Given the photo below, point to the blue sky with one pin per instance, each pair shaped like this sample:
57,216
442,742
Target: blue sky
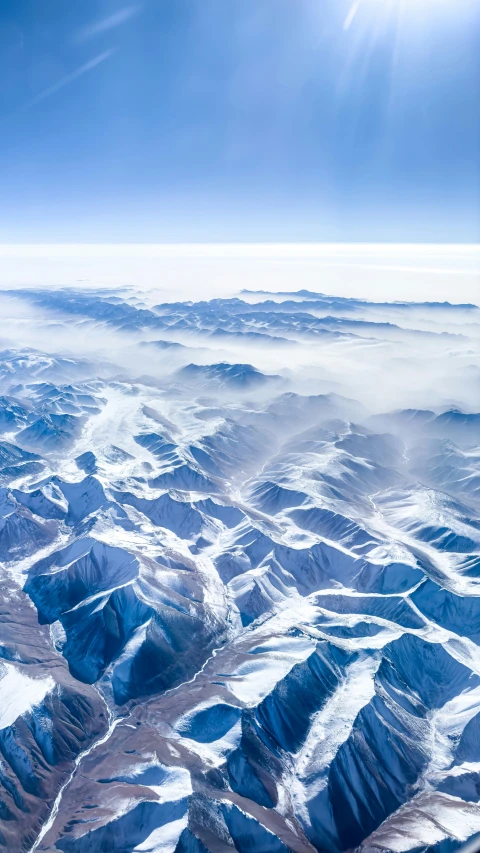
240,120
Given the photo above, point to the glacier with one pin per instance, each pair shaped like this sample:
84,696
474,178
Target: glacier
240,572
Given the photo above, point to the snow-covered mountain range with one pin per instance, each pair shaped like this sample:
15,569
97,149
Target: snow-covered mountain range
240,573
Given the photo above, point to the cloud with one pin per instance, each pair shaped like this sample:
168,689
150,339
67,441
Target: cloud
104,25
70,78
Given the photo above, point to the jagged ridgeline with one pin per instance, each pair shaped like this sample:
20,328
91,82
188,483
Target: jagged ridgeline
240,574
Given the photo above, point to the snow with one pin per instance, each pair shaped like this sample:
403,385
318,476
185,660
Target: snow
20,694
427,820
253,680
164,839
330,727
270,574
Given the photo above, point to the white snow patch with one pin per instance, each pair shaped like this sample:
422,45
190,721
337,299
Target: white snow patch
19,693
164,839
255,678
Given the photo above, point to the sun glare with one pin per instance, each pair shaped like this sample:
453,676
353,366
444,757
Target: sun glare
396,6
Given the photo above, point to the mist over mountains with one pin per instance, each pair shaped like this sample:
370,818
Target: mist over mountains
240,565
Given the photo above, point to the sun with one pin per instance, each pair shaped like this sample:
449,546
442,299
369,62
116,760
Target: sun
412,7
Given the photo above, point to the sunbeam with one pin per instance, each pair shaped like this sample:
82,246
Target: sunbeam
414,8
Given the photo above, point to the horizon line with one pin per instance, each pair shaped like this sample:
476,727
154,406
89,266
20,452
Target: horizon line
253,245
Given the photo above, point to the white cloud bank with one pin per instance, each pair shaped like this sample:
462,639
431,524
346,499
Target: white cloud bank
201,271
